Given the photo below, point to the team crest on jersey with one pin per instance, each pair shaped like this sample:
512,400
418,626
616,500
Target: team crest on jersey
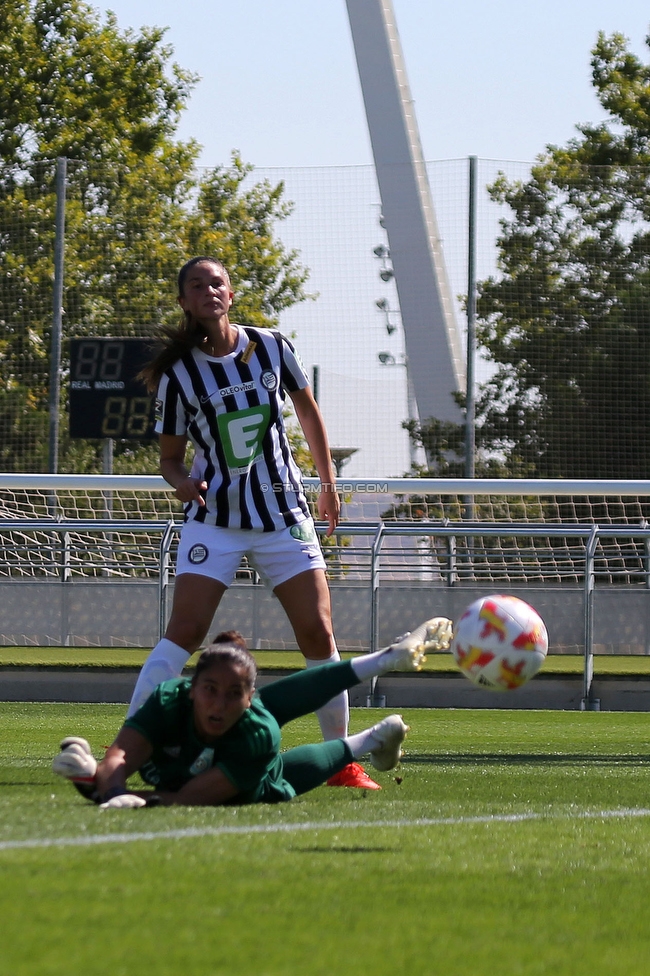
269,380
197,554
202,762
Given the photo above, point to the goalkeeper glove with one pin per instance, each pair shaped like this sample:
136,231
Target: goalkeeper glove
123,801
77,763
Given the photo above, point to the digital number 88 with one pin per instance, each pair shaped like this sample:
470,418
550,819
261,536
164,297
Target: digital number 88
126,417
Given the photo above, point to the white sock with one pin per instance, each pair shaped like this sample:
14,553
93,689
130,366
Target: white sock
362,742
333,717
166,661
370,665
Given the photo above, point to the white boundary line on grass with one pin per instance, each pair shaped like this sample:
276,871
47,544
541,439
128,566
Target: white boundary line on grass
195,832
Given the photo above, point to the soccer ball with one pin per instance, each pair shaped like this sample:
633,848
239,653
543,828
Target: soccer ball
500,642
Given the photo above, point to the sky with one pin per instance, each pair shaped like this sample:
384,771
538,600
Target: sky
279,80
279,84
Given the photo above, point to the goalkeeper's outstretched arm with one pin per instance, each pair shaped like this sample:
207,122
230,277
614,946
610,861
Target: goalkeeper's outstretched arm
125,756
130,752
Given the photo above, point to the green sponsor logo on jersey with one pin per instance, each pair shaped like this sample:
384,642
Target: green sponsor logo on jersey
241,435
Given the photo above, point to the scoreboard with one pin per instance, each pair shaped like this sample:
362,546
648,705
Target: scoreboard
106,399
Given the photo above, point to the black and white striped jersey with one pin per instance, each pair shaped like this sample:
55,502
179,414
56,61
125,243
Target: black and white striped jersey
231,409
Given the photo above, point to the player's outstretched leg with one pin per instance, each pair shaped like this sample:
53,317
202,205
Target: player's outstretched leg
306,691
382,742
307,767
407,653
76,763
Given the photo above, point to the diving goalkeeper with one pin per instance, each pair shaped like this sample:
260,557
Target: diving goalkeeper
212,739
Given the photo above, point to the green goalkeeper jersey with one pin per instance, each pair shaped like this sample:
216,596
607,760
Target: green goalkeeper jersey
248,754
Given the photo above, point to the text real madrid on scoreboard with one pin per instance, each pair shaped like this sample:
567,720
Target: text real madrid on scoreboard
106,398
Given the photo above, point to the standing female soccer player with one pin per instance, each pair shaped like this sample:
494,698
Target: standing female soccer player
222,387
212,739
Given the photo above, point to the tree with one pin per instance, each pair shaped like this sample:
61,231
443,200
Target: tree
236,222
567,320
443,443
109,101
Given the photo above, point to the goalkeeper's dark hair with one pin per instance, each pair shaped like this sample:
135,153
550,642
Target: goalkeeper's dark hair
172,342
228,647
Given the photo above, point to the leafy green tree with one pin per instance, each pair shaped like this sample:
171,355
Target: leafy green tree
236,221
443,443
567,320
109,101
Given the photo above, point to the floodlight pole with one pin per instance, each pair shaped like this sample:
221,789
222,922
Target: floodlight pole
432,339
57,315
470,402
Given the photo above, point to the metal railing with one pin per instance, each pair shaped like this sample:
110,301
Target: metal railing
54,538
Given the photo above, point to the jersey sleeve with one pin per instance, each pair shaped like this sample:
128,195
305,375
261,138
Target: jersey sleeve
149,719
171,415
158,717
293,373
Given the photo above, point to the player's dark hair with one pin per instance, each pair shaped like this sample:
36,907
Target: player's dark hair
230,637
174,341
228,647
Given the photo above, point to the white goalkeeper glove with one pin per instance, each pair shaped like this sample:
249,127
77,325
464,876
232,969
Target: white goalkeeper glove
123,801
75,761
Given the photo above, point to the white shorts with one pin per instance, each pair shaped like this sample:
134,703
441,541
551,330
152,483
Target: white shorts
209,550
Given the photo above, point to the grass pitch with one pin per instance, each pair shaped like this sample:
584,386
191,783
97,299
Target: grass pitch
509,842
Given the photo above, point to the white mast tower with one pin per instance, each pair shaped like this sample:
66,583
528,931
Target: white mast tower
434,359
